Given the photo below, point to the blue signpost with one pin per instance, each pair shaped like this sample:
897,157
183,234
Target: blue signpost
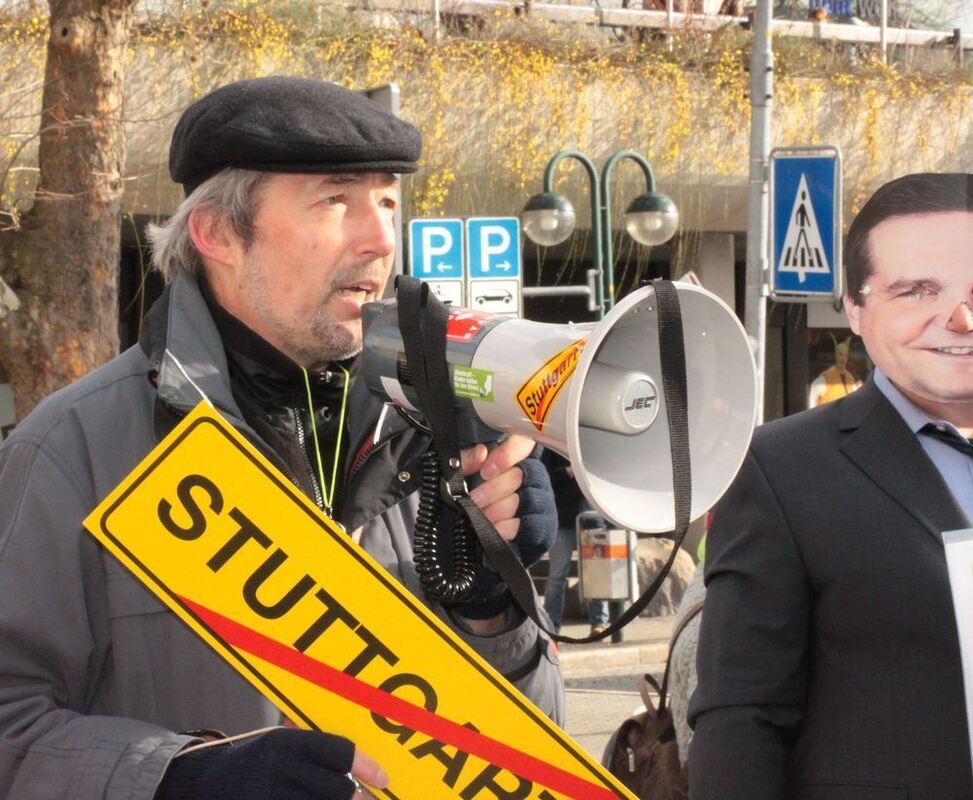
436,256
805,227
494,264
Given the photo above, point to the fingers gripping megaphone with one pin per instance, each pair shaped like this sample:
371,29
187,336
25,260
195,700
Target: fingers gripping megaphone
593,392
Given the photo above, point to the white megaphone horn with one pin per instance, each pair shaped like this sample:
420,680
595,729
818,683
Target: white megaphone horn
593,392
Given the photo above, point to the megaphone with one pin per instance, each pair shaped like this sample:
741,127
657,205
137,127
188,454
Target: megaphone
593,392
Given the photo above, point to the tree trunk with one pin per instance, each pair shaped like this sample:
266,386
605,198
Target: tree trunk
62,260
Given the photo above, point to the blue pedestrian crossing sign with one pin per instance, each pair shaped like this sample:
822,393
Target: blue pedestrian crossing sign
436,249
805,227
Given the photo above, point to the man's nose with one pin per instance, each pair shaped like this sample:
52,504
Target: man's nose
376,237
961,320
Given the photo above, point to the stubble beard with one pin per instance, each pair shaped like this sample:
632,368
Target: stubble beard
311,342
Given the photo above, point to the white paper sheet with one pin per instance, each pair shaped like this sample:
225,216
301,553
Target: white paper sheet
959,561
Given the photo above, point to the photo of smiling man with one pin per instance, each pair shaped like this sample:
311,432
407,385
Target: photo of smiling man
829,661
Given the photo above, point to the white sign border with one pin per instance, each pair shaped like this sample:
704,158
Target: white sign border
839,212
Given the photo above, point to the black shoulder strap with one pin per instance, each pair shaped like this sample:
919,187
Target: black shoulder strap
424,339
422,322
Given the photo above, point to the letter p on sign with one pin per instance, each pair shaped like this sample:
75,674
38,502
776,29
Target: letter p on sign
494,241
436,249
436,243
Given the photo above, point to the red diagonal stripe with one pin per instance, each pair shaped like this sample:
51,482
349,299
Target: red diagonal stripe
389,706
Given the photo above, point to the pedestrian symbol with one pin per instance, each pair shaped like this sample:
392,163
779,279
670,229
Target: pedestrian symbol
805,224
803,248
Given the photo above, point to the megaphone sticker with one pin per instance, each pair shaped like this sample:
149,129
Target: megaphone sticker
473,384
465,324
537,394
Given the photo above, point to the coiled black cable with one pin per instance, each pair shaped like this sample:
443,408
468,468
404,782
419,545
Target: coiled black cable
452,584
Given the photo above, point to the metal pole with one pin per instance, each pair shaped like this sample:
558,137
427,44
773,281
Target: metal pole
587,291
884,31
669,10
596,230
758,211
557,291
436,35
638,158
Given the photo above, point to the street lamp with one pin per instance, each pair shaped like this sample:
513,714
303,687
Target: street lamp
651,218
549,218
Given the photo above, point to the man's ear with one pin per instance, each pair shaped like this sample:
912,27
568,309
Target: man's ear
212,236
853,312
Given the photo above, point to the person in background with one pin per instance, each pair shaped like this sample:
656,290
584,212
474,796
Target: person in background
836,381
570,503
829,660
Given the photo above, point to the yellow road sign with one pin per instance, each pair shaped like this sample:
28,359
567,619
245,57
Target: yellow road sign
323,631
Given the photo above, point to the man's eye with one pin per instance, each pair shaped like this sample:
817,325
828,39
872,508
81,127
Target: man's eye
918,292
333,200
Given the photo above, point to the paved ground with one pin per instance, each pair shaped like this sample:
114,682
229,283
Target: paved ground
601,680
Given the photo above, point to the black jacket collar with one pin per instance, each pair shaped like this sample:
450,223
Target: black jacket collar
264,372
881,444
180,320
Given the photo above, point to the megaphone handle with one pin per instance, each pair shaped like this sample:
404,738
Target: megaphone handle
422,324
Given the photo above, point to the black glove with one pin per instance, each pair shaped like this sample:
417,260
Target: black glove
285,764
538,528
537,511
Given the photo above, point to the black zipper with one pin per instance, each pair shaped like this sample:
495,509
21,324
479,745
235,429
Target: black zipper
318,497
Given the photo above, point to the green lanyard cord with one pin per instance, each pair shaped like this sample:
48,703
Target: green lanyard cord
328,498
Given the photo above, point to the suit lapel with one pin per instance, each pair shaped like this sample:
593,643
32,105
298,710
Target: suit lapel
883,447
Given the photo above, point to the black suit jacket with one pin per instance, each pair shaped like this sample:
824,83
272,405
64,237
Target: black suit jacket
829,663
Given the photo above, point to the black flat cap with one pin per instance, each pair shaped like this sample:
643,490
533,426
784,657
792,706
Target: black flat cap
286,124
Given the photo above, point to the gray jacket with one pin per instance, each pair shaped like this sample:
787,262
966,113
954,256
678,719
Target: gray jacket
96,676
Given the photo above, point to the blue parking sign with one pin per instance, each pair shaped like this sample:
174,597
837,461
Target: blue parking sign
493,247
805,226
436,249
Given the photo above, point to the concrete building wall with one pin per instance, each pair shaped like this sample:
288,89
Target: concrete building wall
493,112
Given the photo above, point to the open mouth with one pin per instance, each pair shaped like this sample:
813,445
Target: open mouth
955,351
359,292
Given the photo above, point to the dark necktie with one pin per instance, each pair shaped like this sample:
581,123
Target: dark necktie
954,440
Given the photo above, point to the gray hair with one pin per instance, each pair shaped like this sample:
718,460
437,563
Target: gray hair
233,193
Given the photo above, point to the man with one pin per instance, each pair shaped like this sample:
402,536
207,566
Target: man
829,662
286,231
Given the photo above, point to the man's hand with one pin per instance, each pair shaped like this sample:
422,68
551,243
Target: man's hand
516,497
285,763
497,496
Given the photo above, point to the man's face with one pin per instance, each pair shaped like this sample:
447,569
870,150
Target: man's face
915,319
323,246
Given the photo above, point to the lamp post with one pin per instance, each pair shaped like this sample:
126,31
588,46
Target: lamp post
651,218
549,218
